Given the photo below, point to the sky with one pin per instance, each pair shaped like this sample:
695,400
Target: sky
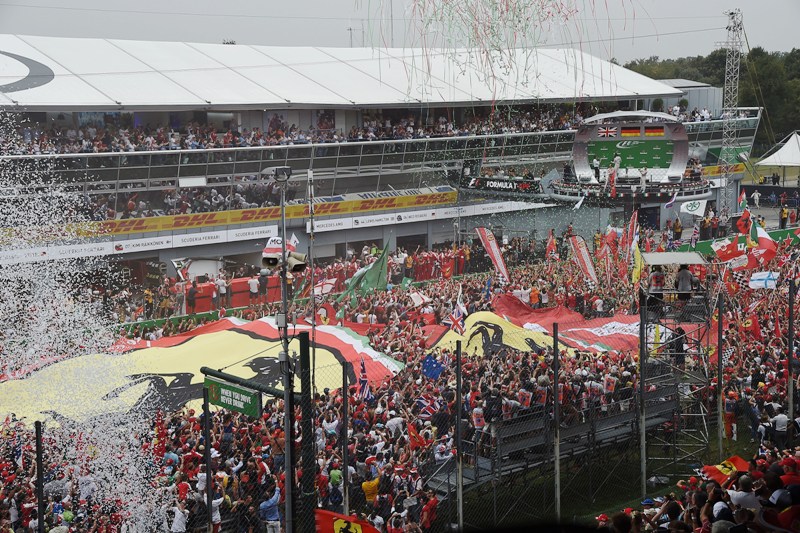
621,29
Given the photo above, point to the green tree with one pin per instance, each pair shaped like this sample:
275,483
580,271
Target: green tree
767,79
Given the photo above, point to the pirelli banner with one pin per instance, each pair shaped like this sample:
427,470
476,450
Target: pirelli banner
366,203
716,170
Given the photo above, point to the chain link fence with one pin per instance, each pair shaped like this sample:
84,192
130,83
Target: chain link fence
560,438
550,430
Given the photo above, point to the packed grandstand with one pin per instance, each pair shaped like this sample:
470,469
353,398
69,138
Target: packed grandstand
398,334
402,427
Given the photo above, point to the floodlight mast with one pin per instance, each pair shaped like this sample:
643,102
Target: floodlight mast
730,101
281,175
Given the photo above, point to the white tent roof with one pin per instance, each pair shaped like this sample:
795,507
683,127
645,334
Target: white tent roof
673,258
627,115
787,156
62,74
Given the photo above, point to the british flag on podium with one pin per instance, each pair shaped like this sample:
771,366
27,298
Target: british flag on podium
364,389
606,132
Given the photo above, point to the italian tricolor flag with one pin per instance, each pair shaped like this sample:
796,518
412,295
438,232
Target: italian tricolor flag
761,248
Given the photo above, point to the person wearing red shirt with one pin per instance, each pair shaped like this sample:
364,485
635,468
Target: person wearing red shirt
790,467
428,515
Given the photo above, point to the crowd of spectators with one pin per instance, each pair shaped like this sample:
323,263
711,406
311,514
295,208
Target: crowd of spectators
762,495
388,462
35,138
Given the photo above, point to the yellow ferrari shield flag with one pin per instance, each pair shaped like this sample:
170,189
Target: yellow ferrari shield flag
330,522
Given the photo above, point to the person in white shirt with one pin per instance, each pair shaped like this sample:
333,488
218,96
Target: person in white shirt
395,423
780,424
216,517
756,196
598,307
222,288
180,519
744,496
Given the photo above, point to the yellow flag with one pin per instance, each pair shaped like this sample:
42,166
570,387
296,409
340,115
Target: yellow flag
638,265
656,340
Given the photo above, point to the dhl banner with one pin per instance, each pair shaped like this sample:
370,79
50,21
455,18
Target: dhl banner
271,214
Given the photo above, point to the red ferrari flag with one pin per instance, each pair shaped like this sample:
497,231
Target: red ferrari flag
727,249
752,326
493,250
330,522
720,472
415,440
744,222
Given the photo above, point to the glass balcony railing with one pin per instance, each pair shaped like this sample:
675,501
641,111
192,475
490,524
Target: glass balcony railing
154,183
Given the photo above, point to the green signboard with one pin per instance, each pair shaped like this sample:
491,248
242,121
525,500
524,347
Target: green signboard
635,153
233,397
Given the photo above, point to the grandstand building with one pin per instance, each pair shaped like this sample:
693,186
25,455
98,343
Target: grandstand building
167,143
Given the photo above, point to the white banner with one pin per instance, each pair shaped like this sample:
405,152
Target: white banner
142,245
374,220
196,239
73,251
331,224
254,233
694,207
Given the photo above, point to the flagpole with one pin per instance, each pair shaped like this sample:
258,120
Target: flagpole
311,267
720,424
459,450
345,459
282,320
790,381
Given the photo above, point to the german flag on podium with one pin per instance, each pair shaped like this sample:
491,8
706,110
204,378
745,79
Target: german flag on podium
654,131
630,131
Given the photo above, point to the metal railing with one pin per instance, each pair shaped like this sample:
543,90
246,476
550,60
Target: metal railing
127,172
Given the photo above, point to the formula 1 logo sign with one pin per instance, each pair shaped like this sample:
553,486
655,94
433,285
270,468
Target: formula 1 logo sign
38,73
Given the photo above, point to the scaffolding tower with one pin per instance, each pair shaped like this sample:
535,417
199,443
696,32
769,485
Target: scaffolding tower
677,336
730,100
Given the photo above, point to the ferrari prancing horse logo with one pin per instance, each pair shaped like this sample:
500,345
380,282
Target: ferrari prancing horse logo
344,526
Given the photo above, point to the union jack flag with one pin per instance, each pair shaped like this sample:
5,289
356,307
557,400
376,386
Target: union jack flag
456,318
364,389
427,407
606,132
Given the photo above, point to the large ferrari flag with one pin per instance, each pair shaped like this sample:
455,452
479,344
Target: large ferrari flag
330,522
493,249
